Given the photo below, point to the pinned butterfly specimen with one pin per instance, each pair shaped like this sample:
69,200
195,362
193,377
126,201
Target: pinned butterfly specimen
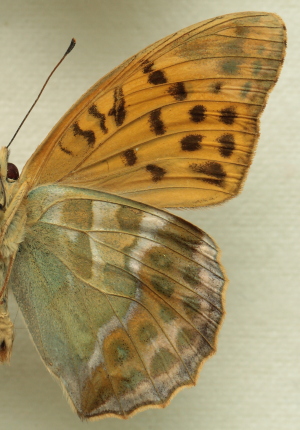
123,300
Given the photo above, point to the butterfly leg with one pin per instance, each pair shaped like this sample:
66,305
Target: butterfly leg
6,325
6,328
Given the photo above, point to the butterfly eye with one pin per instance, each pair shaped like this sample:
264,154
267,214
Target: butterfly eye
12,172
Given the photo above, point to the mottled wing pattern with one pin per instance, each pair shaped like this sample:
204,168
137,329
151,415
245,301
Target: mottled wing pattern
177,124
123,301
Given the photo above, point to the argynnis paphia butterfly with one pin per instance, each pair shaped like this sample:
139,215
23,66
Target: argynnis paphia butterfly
123,300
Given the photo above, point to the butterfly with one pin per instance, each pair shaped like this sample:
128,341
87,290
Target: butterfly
124,300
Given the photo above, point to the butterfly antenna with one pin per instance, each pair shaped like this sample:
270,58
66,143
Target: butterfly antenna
71,46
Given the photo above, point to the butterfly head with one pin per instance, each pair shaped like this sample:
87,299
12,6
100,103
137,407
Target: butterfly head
9,174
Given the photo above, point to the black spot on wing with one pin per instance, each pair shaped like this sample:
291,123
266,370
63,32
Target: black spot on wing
197,113
156,124
65,150
96,114
157,77
215,174
227,144
118,110
147,66
129,157
178,91
217,87
89,135
192,142
228,115
157,172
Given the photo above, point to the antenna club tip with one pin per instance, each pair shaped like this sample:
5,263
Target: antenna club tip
71,46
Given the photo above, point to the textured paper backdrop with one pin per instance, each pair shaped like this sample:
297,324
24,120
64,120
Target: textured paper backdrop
253,381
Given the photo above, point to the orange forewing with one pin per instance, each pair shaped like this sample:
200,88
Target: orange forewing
175,125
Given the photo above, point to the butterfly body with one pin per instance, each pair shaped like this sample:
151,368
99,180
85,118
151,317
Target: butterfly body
12,215
123,300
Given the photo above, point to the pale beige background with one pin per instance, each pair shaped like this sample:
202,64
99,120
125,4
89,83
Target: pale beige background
254,380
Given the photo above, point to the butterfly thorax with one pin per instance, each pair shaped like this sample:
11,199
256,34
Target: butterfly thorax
12,221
